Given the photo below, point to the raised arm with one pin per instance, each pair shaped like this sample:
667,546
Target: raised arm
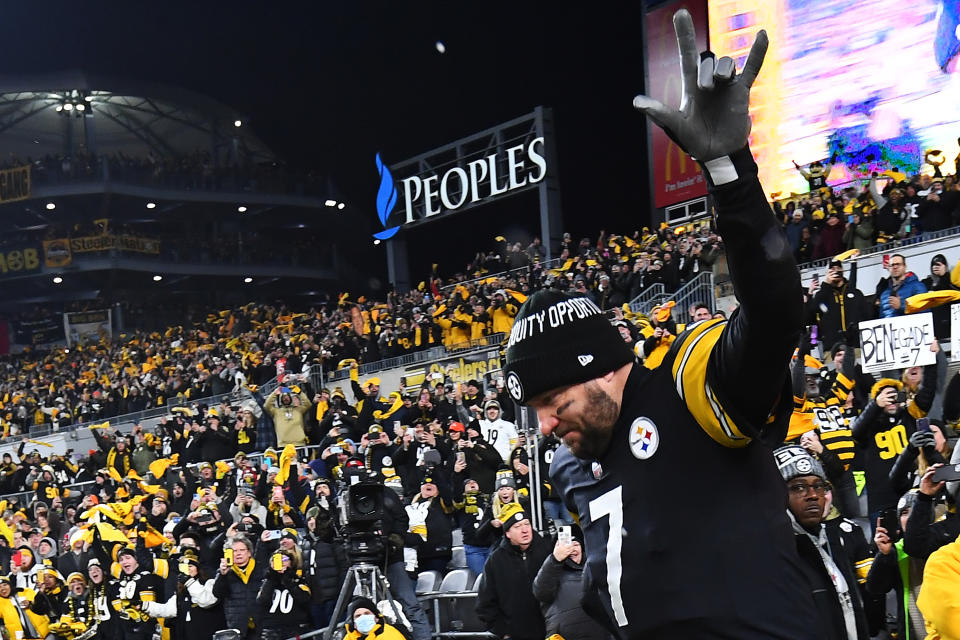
713,126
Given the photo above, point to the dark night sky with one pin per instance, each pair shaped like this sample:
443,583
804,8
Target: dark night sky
328,84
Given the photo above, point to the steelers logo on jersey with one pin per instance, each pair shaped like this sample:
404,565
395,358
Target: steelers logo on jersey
643,438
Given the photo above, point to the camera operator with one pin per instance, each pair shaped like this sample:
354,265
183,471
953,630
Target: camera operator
884,429
393,526
284,598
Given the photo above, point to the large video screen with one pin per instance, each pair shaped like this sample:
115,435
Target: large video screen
868,82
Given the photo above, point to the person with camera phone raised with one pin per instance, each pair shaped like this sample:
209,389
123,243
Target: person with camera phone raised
192,607
885,429
284,598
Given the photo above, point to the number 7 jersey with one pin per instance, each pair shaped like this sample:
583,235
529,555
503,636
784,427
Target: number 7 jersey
684,516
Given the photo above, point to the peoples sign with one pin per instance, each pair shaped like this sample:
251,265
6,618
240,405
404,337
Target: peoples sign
897,343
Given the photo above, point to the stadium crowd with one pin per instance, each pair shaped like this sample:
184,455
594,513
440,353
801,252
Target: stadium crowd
185,524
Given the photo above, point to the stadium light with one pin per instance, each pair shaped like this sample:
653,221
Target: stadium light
81,107
59,108
157,278
57,279
377,241
248,280
341,206
68,106
237,123
151,205
330,203
242,209
88,98
51,206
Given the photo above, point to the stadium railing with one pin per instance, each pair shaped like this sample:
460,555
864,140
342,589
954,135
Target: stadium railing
304,452
699,290
641,304
135,417
887,246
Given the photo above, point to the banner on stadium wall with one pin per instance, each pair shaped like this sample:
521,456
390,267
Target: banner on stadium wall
472,366
108,242
36,332
14,184
676,176
897,343
87,326
17,261
955,332
56,253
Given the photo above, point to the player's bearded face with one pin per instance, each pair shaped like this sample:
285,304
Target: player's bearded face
582,416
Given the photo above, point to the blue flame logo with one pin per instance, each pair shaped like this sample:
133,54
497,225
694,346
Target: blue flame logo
386,200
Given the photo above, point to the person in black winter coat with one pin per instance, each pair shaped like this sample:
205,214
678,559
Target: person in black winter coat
559,588
237,587
505,602
325,564
474,509
284,598
939,280
828,564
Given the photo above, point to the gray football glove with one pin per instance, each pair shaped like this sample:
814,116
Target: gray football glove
921,439
712,120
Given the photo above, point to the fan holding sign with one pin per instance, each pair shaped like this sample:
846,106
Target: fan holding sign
885,427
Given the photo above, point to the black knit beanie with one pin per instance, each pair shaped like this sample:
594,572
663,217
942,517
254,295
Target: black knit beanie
558,340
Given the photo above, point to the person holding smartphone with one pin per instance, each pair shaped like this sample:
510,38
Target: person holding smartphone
884,430
559,588
284,598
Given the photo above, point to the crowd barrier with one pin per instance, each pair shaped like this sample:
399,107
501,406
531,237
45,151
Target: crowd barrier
699,290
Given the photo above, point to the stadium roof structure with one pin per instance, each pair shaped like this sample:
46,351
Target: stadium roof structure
179,171
67,112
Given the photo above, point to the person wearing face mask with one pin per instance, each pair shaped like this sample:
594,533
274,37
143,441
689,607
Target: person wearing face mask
365,622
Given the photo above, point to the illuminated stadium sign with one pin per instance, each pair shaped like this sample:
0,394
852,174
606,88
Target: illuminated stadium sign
868,84
472,176
502,161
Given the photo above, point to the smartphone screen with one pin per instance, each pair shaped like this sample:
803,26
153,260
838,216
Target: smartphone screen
886,260
890,522
923,424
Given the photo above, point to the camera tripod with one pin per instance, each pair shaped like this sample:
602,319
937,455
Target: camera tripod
369,580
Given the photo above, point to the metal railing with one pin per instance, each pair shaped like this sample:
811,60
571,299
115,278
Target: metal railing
922,238
642,303
132,418
434,353
304,453
699,290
